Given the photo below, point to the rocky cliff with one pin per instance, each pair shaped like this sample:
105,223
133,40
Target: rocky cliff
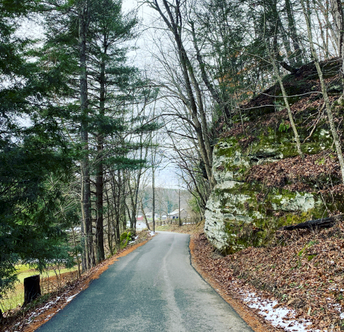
263,184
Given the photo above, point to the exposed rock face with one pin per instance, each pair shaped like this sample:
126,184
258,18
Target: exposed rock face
243,211
236,209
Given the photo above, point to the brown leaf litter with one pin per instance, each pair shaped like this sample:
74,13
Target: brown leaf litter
303,270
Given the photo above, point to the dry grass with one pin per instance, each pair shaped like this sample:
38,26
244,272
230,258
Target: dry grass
51,280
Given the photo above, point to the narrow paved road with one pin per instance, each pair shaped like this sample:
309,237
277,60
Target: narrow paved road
154,288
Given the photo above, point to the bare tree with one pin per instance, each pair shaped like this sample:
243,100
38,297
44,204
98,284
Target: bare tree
328,105
192,97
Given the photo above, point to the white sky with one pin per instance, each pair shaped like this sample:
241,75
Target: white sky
165,176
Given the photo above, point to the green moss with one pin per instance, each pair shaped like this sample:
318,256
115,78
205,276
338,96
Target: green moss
252,222
124,239
259,232
123,236
276,143
252,213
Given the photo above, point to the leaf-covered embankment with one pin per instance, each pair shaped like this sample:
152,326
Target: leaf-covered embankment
302,270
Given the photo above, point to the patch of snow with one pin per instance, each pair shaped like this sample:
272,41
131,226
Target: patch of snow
71,298
47,306
278,316
76,229
338,307
152,233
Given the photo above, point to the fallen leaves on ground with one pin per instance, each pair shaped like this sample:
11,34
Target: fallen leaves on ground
304,270
313,173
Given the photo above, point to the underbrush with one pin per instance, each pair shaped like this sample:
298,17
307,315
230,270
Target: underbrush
50,281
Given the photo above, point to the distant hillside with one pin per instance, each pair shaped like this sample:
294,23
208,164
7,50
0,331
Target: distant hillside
166,200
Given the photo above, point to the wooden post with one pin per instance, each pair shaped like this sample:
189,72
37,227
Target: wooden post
32,288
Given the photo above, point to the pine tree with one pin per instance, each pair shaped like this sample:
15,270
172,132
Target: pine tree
32,152
109,76
86,42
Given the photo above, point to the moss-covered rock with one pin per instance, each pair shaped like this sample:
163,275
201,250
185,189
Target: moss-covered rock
245,210
241,214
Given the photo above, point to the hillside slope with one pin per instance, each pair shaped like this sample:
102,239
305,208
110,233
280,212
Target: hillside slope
302,273
263,184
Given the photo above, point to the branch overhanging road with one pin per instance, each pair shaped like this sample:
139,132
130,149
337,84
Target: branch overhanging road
154,288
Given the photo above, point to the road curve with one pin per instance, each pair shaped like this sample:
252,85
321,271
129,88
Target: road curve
154,288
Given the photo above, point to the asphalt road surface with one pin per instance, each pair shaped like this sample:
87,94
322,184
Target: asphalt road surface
154,288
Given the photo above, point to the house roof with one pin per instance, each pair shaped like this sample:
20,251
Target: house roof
175,212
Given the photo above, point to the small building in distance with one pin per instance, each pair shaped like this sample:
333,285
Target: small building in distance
175,214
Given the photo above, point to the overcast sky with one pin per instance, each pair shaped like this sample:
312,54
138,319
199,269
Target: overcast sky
142,58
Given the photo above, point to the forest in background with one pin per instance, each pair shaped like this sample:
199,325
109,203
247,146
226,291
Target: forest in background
81,129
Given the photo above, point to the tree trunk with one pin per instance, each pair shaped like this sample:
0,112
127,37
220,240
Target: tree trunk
214,93
32,289
292,30
153,197
116,193
340,21
76,253
123,197
144,215
329,30
286,102
336,11
179,215
279,28
317,223
100,255
85,171
109,222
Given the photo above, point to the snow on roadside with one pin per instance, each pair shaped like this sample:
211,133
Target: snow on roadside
71,298
134,241
277,315
40,310
151,233
48,306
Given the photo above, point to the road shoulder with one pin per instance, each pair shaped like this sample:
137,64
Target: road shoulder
256,322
